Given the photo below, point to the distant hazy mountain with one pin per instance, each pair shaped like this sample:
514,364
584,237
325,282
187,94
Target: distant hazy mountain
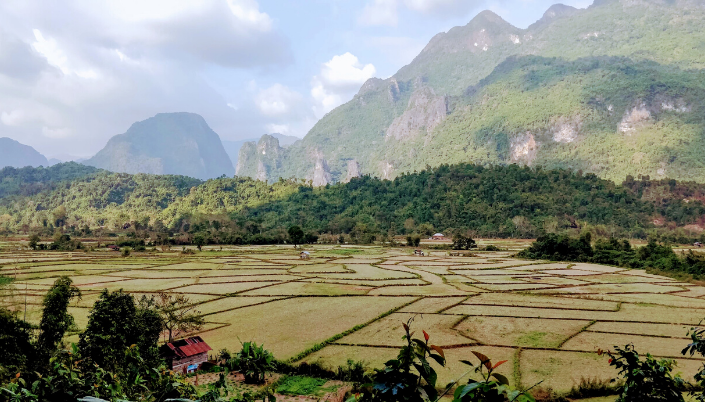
233,147
14,154
614,89
168,143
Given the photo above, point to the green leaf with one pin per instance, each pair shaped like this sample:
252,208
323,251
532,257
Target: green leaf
502,379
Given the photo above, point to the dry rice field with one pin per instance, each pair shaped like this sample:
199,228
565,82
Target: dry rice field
547,319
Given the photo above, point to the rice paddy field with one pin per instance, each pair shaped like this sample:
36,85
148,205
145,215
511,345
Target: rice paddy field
348,302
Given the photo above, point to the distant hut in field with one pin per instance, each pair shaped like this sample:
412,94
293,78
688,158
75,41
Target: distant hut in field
186,355
438,236
113,248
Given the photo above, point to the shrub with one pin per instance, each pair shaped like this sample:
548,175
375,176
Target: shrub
647,380
409,377
253,361
493,387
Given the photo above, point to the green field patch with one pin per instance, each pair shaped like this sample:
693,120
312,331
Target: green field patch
592,341
562,370
640,328
524,332
309,289
298,385
288,327
222,288
430,305
388,330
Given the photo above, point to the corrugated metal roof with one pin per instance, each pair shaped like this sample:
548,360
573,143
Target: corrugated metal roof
188,347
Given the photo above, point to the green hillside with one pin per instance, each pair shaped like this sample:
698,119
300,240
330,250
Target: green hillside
614,89
497,201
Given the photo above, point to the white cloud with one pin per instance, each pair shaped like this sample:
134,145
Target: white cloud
386,12
278,100
338,81
88,69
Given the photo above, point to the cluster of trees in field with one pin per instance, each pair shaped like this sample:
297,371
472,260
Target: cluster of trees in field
616,252
472,200
117,359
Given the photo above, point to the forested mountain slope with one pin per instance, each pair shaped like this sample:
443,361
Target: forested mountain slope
489,201
614,89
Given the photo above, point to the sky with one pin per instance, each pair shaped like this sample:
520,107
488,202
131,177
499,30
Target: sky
76,72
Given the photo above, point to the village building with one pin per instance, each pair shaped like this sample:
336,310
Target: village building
186,355
438,236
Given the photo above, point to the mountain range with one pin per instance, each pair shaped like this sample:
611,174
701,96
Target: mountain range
168,143
14,154
616,89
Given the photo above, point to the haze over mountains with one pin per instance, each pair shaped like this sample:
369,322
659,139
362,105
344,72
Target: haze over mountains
168,143
14,154
614,89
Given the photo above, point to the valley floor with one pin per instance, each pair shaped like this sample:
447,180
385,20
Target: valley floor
348,302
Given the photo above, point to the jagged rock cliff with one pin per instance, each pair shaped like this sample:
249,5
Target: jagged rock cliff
614,89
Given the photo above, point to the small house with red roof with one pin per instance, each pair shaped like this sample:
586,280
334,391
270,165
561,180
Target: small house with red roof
186,355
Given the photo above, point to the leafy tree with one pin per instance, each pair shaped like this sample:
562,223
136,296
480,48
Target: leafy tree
56,319
199,241
34,241
115,323
296,235
178,314
16,348
647,380
461,242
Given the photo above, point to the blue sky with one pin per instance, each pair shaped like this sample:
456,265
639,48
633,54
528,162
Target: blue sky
76,72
